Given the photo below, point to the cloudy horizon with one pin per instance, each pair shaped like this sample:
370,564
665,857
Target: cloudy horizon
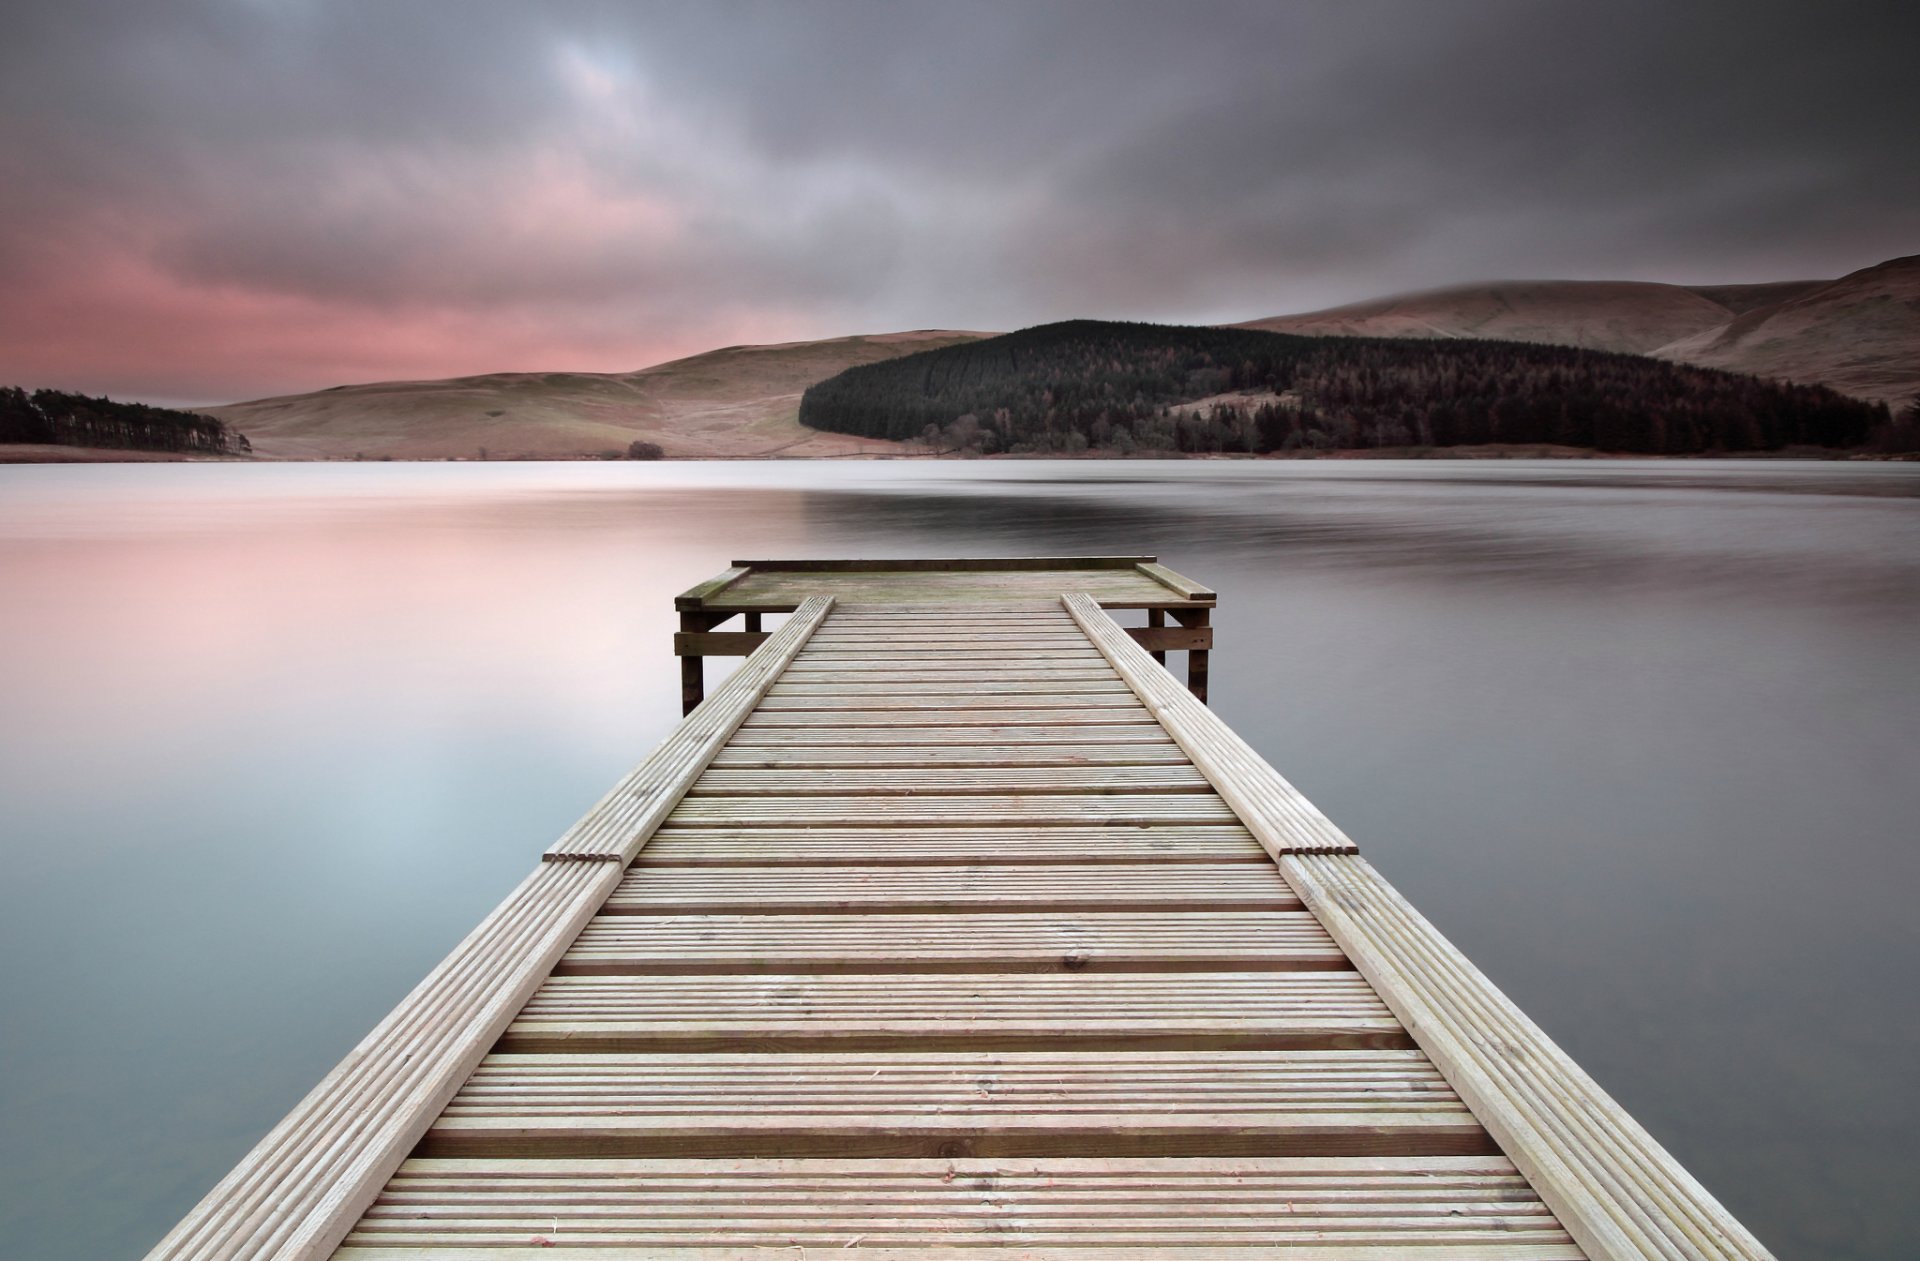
202,202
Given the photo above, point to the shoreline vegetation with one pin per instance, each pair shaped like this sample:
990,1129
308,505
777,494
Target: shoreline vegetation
58,422
1087,385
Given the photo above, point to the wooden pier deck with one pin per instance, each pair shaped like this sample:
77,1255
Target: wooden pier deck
953,925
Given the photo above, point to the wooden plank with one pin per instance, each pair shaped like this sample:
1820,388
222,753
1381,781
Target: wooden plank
935,1011
1454,1208
768,847
1030,716
620,823
1049,941
769,591
717,643
888,701
875,757
896,655
974,1103
695,597
965,667
837,781
302,1187
1135,887
1004,606
1083,679
1274,811
787,735
808,675
1185,588
1171,638
969,632
945,564
1619,1193
1006,809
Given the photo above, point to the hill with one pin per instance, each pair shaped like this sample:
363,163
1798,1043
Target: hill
1859,334
1121,387
738,401
1625,316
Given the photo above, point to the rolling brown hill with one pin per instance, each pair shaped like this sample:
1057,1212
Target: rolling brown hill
1859,334
739,401
1628,316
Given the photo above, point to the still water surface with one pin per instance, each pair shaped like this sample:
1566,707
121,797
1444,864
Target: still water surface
1640,737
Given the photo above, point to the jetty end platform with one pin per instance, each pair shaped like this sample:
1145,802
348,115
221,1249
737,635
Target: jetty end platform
952,925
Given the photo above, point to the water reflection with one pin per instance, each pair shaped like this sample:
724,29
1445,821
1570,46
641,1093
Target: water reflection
1637,736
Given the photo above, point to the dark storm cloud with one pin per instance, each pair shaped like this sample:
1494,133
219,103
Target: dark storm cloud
213,199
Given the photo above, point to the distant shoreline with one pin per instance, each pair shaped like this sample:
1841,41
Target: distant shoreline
46,453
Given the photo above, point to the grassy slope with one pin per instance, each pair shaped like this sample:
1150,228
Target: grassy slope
1626,316
1859,334
740,401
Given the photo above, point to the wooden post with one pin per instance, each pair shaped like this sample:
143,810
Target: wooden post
1157,618
693,675
752,620
1196,657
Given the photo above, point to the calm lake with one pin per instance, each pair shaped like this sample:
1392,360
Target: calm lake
1640,737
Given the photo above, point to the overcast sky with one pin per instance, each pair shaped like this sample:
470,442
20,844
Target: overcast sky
201,202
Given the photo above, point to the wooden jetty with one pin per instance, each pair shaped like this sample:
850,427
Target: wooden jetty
951,924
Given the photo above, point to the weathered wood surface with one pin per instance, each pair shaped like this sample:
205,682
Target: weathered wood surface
906,589
881,781
1073,1209
717,643
1006,1104
942,941
764,847
921,910
825,1011
988,885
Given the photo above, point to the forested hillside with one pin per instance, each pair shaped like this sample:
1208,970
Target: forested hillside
1128,387
74,420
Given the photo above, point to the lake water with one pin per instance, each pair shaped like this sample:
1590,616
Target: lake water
1640,738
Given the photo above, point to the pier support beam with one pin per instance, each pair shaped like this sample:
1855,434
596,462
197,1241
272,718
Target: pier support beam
693,676
1196,657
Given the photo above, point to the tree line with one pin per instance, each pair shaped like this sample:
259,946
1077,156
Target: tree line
74,420
1128,387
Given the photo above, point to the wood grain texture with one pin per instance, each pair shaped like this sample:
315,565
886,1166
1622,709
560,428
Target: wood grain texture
1139,887
983,1103
1082,809
1034,1010
946,941
1000,757
766,847
1436,1208
942,733
840,781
